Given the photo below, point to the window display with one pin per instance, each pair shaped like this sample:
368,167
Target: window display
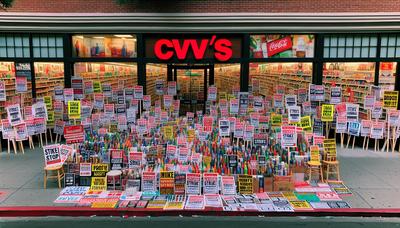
266,77
281,46
227,78
47,77
114,74
8,88
104,46
387,75
355,79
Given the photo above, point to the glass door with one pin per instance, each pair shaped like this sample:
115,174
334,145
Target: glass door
190,86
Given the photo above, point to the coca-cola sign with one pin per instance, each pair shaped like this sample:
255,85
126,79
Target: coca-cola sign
277,46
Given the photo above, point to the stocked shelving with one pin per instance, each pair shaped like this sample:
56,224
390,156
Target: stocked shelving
291,75
111,73
7,74
227,77
47,77
154,72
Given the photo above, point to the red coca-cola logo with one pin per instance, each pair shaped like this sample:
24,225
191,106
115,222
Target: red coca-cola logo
277,46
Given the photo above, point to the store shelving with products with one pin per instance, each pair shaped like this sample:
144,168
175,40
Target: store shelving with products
352,77
227,77
191,83
291,75
154,72
111,73
7,74
47,77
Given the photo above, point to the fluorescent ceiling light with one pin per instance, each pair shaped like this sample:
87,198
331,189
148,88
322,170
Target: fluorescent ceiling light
98,37
123,36
80,37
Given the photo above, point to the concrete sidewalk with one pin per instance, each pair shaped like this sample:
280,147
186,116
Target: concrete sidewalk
373,177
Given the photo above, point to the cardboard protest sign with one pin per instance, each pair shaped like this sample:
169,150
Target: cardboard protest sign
99,169
224,128
85,169
390,99
278,101
366,127
369,101
306,123
377,110
210,183
328,111
377,130
290,101
21,132
74,109
193,184
354,128
245,184
352,112
228,185
316,92
65,152
234,106
212,93
294,114
21,84
394,118
138,92
341,124
166,182
77,86
336,95
14,114
52,156
288,136
98,184
39,110
149,182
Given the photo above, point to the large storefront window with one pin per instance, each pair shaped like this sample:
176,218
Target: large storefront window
267,78
12,94
355,79
48,75
116,75
387,75
227,78
122,46
14,46
281,46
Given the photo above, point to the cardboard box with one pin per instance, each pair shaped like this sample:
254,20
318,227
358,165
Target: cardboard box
267,186
283,183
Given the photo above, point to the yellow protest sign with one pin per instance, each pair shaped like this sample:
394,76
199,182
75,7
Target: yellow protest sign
306,122
74,109
329,147
49,102
168,132
314,154
390,99
300,205
222,95
327,112
191,134
276,119
96,87
50,118
108,204
99,184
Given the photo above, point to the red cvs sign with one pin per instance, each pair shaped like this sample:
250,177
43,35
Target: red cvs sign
165,49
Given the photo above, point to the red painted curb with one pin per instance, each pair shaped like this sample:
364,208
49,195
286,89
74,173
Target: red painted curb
40,211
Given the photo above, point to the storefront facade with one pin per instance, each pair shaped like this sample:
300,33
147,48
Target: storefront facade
258,54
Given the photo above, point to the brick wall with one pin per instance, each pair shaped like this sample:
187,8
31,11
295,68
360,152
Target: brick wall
210,6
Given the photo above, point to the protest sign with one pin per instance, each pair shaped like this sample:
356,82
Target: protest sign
172,88
289,136
290,101
52,155
352,112
39,110
224,128
316,92
193,184
98,184
294,114
336,95
212,93
327,113
14,114
85,169
210,183
74,109
390,99
354,128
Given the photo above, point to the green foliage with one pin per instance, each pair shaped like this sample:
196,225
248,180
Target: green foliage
6,3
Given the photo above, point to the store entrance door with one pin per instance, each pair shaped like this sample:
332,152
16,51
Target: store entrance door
191,83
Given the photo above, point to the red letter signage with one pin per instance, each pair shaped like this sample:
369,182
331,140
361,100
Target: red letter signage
165,49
